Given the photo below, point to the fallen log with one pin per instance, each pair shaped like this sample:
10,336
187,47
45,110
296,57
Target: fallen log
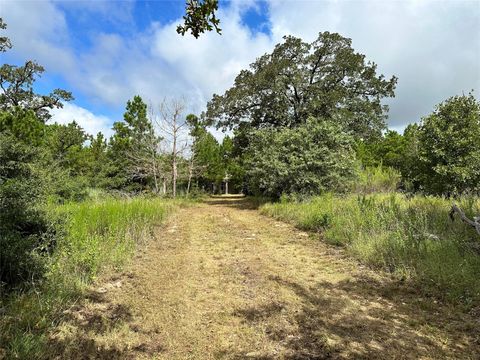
475,223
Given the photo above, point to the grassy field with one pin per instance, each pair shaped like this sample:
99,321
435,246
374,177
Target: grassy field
413,238
92,237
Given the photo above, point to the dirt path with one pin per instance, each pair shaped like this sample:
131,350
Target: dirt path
223,282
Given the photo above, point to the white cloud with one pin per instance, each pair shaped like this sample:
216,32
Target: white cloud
209,64
90,122
38,30
432,46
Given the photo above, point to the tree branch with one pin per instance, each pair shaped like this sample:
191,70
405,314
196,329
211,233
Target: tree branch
475,223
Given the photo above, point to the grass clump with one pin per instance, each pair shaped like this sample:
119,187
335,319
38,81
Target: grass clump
411,237
91,237
377,179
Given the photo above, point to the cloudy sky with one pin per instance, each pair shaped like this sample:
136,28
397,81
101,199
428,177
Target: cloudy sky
107,51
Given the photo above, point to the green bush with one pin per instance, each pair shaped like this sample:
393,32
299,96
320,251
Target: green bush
309,159
413,238
23,225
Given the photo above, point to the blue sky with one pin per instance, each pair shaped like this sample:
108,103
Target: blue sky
107,51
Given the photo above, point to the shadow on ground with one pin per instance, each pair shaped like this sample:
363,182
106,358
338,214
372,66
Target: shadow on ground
387,322
86,324
239,202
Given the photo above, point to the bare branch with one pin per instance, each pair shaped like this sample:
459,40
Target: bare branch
475,223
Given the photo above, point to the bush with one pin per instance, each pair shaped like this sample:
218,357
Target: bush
309,159
412,238
23,225
449,152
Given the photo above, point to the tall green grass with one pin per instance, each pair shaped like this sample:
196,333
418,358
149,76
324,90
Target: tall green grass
91,237
376,179
412,238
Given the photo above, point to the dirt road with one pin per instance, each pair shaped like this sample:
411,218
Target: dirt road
222,281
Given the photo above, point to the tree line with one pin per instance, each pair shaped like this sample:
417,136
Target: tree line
155,150
304,119
309,117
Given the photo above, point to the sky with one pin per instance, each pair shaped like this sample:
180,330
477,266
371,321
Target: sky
105,52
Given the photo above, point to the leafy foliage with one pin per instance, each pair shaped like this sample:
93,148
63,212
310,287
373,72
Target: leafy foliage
449,150
130,145
24,231
440,156
309,159
200,17
324,79
16,83
4,41
22,222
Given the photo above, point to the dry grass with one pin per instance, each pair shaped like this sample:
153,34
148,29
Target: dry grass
223,282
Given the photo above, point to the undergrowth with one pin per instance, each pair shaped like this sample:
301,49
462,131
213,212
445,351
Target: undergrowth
92,237
376,179
411,237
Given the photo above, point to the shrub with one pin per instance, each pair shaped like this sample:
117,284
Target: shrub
308,159
449,152
23,225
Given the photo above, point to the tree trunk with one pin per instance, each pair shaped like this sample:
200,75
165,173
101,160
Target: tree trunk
190,174
174,165
155,176
188,184
226,187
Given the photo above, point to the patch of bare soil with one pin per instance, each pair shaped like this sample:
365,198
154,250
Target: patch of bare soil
223,282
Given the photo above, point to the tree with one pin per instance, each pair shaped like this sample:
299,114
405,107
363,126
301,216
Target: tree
66,145
132,149
411,167
173,128
207,159
145,155
16,87
97,160
23,225
231,168
388,150
16,84
23,125
449,147
22,222
200,17
309,159
197,131
325,79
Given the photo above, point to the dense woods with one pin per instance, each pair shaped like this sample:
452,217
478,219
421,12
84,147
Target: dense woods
305,128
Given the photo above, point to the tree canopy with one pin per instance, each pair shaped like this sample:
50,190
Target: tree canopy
323,79
449,149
